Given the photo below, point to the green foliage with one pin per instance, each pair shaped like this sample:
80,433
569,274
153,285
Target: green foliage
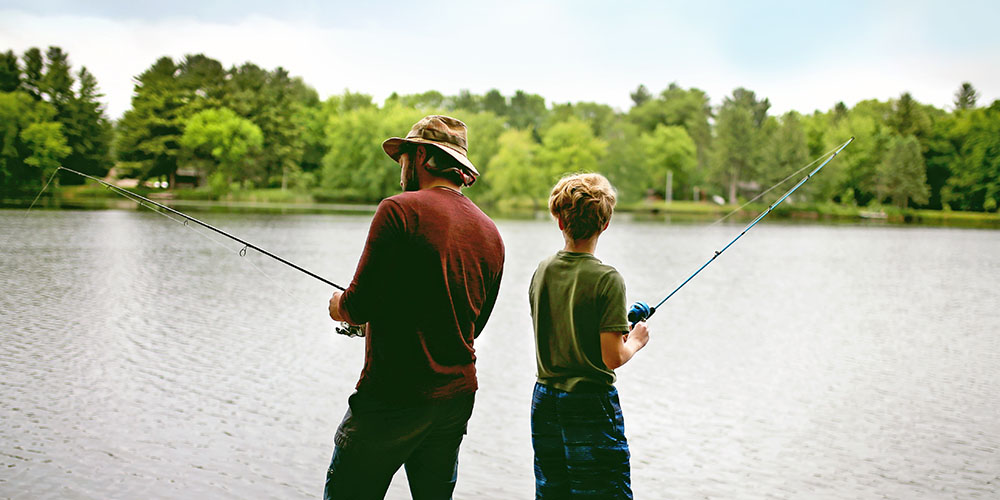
31,142
784,151
355,168
10,72
222,134
569,147
514,173
975,180
255,128
966,96
901,175
668,148
738,139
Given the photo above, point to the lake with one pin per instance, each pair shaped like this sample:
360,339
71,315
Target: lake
141,360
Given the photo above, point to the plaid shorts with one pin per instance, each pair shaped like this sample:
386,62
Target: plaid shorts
579,443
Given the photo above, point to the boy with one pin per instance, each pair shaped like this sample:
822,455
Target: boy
581,336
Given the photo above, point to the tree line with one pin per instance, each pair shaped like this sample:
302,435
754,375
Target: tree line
246,127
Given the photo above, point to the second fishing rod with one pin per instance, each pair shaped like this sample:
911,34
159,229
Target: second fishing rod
641,311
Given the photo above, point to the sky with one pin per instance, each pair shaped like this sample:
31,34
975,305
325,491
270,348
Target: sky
801,55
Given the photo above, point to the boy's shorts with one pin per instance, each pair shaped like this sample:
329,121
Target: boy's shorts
579,442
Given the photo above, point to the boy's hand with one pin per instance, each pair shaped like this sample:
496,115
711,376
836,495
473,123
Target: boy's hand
639,335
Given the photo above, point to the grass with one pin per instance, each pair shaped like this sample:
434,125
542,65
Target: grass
276,199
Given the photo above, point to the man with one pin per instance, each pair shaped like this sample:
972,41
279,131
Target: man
426,284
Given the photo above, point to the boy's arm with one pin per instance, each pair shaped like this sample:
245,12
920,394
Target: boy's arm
616,350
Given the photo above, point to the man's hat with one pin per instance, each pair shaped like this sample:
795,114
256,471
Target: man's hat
445,132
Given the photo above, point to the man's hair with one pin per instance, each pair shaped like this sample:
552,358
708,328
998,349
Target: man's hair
439,163
583,202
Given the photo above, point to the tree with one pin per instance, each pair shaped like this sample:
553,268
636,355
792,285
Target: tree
495,103
34,67
624,162
908,117
677,106
966,96
526,110
149,133
485,130
467,101
669,148
569,147
600,117
355,167
10,72
87,129
738,137
514,173
784,151
901,175
975,180
272,100
640,96
31,143
221,135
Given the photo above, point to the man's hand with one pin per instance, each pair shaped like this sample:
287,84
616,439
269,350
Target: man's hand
335,313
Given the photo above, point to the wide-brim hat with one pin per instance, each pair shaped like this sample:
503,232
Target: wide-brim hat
448,134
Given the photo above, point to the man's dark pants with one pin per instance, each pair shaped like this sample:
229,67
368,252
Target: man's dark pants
377,437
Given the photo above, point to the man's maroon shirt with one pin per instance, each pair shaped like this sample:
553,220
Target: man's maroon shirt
426,285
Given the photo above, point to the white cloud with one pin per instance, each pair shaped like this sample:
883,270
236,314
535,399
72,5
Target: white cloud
540,50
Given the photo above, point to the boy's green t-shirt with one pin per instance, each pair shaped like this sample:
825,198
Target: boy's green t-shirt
574,297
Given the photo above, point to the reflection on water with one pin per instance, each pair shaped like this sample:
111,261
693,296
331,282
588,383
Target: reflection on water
141,360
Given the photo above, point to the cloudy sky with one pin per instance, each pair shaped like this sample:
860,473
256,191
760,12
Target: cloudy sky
802,57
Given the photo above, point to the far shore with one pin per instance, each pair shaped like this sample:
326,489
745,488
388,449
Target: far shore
279,202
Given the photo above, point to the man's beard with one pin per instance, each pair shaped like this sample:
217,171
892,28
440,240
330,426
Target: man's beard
412,182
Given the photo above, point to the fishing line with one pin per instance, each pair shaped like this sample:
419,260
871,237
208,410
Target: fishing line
786,179
344,328
640,311
242,252
46,186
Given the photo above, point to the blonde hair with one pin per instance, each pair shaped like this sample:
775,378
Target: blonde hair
583,202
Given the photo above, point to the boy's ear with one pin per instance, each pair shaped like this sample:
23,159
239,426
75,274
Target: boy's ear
562,226
606,224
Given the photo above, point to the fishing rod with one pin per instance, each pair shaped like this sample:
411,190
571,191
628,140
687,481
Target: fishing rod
344,328
641,311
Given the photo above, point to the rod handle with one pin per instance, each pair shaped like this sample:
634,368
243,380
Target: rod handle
350,330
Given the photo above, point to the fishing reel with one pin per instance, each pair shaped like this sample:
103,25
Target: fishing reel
350,330
639,312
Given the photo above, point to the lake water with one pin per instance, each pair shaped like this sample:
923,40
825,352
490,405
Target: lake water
141,360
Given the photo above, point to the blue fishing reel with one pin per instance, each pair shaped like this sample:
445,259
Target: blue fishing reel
639,312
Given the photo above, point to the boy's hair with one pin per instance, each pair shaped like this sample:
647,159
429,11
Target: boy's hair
583,202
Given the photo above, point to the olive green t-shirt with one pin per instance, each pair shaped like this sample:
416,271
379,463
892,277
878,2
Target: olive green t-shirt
574,297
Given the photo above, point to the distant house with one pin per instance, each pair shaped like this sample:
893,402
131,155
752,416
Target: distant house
187,177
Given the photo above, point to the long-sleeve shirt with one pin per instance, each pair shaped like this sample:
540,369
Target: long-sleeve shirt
426,284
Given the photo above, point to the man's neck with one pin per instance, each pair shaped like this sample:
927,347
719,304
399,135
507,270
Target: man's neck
435,181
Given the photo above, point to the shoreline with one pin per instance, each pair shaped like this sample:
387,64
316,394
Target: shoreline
676,211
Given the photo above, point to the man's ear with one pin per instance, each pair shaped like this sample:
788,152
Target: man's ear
562,227
420,155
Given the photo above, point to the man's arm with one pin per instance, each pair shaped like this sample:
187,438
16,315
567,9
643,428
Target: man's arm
359,302
487,309
617,349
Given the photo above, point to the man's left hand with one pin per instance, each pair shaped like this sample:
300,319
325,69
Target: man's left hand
335,313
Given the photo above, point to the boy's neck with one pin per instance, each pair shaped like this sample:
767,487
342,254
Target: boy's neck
587,245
